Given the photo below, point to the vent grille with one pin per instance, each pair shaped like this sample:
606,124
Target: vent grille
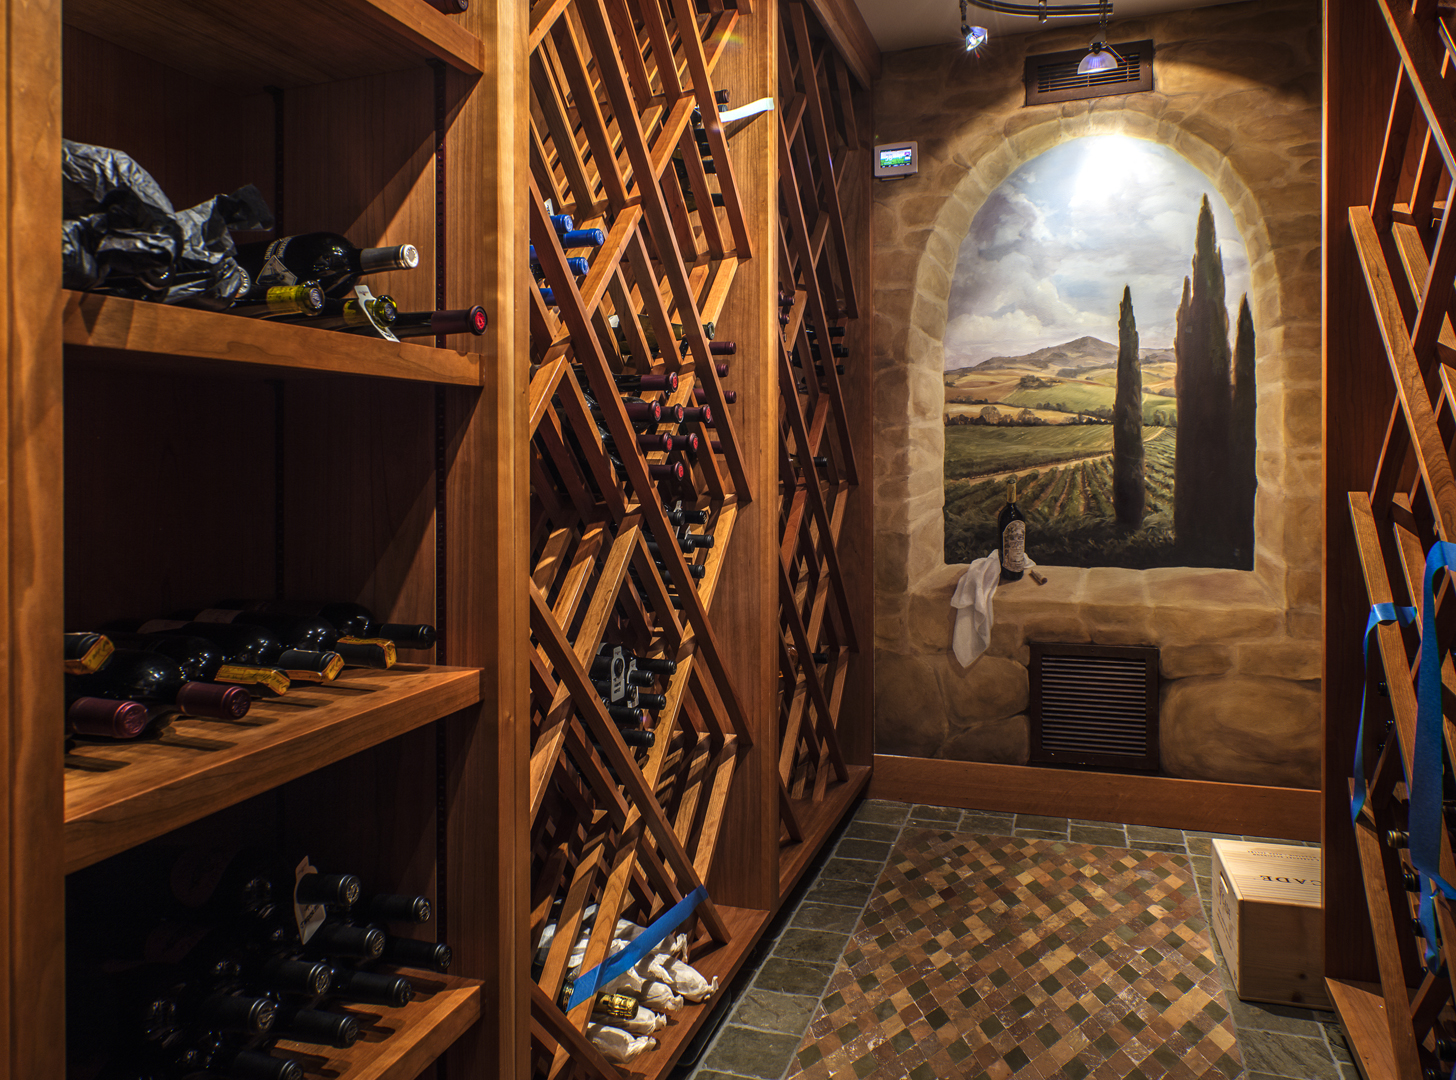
1094,705
1053,76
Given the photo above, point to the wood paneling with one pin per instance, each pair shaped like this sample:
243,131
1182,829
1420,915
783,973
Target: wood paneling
1200,805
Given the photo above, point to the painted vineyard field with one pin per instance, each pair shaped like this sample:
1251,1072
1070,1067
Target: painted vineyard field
1068,503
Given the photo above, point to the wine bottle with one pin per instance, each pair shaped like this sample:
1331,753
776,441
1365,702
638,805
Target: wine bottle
677,515
350,619
393,907
280,301
646,443
575,263
413,953
700,395
834,331
371,988
581,238
665,382
307,633
327,258
672,414
341,314
251,646
318,1027
688,442
106,719
158,680
471,320
86,652
562,223
698,414
1011,527
451,7
638,410
202,660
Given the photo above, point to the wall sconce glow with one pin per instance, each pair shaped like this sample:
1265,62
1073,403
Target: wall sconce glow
975,36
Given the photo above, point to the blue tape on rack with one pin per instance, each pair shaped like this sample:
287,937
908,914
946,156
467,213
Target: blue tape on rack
1428,756
1380,614
587,983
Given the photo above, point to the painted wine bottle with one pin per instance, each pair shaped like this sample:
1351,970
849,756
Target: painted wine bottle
1011,526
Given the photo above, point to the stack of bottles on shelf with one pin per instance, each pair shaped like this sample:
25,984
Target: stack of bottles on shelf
129,675
191,963
625,682
705,154
571,239
688,542
628,1009
121,235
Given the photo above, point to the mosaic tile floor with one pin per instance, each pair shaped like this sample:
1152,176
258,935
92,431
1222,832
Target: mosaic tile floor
936,943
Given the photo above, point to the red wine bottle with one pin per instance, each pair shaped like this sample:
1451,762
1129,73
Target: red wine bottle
700,395
698,414
106,719
327,258
317,1027
411,324
451,7
252,646
353,621
158,680
1011,527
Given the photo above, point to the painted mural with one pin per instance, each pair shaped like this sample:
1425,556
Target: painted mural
1099,350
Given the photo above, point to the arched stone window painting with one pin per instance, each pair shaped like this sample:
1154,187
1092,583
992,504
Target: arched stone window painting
1099,349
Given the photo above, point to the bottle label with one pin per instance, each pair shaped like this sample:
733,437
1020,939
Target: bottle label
243,675
1013,547
217,615
157,626
273,271
308,916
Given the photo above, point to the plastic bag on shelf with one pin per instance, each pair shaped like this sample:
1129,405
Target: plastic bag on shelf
687,980
121,234
618,1046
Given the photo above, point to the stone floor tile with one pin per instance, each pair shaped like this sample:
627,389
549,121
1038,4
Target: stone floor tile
1284,1019
1045,824
769,1010
882,810
1198,845
985,823
950,815
747,1052
865,850
872,830
1287,1055
811,946
845,893
830,917
1137,835
793,976
858,870
1097,834
1040,834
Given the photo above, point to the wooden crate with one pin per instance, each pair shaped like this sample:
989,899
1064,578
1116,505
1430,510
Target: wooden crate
1270,922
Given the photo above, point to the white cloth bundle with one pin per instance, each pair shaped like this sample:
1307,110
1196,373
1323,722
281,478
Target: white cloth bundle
972,603
619,1046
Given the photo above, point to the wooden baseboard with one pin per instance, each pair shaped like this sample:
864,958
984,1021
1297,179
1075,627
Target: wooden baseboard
1202,805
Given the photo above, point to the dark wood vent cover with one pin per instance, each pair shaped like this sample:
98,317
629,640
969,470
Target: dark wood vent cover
1094,705
1053,76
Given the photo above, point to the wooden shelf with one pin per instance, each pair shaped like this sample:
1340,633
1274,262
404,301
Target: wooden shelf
183,338
397,1044
1361,1008
120,794
745,924
278,42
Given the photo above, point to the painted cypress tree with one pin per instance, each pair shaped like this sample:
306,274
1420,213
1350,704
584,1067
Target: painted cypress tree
1241,444
1204,389
1129,494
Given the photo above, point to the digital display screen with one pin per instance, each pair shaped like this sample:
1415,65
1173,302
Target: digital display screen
896,157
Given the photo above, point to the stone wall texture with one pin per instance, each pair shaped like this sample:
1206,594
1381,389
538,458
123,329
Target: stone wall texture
1237,93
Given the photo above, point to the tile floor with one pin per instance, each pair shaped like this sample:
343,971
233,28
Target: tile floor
827,998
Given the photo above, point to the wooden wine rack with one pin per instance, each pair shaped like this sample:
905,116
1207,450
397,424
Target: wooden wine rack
159,457
818,642
1391,481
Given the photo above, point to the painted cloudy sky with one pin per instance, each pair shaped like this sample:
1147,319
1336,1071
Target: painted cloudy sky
1051,249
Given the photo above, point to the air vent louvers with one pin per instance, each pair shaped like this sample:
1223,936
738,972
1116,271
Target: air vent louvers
1053,76
1094,705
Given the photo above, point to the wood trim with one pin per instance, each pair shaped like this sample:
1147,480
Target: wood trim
851,37
32,1039
1203,805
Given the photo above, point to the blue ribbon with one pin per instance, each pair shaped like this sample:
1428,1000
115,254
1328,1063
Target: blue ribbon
587,983
1380,614
1429,752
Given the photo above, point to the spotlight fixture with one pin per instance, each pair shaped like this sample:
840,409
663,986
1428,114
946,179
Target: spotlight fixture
975,36
1100,55
1042,10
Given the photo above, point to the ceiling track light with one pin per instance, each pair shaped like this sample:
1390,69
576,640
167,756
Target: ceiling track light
1042,10
974,36
1100,55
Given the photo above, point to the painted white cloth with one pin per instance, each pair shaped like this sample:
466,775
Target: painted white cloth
972,603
